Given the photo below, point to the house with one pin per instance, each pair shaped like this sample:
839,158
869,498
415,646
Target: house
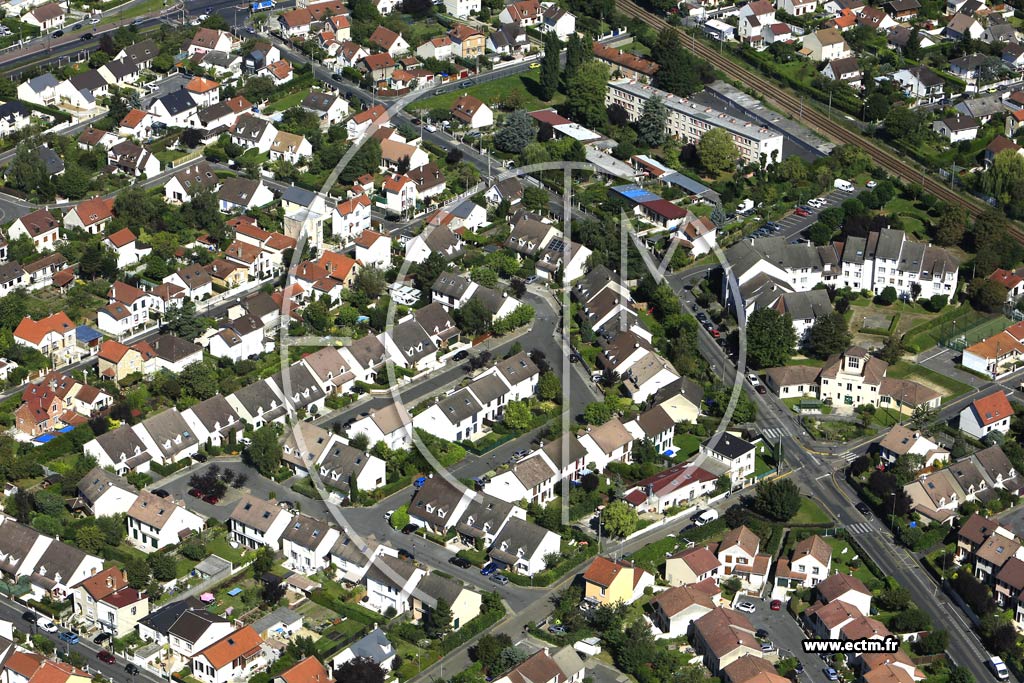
243,194
41,90
523,547
46,18
844,70
331,370
753,18
471,112
374,646
739,556
936,496
803,308
467,42
237,339
506,40
40,226
461,9
214,422
219,118
826,45
388,424
280,72
845,588
136,124
134,161
372,248
14,116
390,583
329,107
184,627
290,147
439,47
722,636
175,109
53,336
400,194
558,20
186,182
438,505
91,215
996,467
733,453
677,486
389,41
94,137
903,10
307,670
359,124
564,666
674,610
117,361
454,418
523,12
962,26
121,449
205,91
901,441
464,603
168,437
103,494
919,83
155,522
350,470
208,40
253,133
826,620
262,53
987,414
106,601
306,544
236,656
608,582
259,403
797,8
194,280
809,565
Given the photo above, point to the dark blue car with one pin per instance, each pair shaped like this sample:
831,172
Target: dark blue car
489,569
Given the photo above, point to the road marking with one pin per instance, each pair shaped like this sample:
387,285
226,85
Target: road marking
934,355
860,528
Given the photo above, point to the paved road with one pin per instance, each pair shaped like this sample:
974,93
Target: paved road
12,611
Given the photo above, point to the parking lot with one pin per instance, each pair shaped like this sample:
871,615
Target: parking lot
785,634
792,225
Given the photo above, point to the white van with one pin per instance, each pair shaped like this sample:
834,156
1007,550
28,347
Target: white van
998,668
705,517
844,185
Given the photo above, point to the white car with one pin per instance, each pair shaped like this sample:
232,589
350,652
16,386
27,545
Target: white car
387,515
747,607
754,381
871,184
46,624
817,202
94,21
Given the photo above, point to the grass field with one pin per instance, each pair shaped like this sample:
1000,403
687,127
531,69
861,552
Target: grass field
810,513
288,101
842,556
686,445
951,387
527,84
962,321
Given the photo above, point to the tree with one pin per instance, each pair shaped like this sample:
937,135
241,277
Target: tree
828,335
265,450
488,650
934,642
892,350
317,315
902,123
138,572
200,380
517,416
680,73
365,160
89,538
820,233
301,647
986,295
585,91
951,226
271,593
959,674
400,517
644,451
24,172
777,500
922,416
910,620
163,566
887,297
577,53
370,281
262,562
550,66
650,127
362,669
619,519
549,387
258,89
182,321
770,338
717,151
516,132
597,413
832,217
473,318
438,621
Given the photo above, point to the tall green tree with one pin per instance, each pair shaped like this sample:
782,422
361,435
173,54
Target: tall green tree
586,91
680,72
828,335
777,500
770,338
717,151
516,132
439,619
265,450
619,519
577,53
550,66
650,127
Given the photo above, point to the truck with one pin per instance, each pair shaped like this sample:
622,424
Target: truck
261,5
844,185
998,668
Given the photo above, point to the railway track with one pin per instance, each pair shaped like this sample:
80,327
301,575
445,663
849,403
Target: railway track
884,157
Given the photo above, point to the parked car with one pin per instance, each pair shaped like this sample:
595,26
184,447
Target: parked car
30,617
715,333
761,633
58,34
871,184
747,607
46,624
998,668
800,211
387,515
831,674
86,37
521,453
775,605
105,656
557,630
461,355
499,579
161,493
405,554
69,637
195,493
863,509
211,499
409,528
419,482
489,569
460,562
131,669
101,638
768,647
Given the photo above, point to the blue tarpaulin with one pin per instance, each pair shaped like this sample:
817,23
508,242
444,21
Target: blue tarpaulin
234,591
65,430
45,438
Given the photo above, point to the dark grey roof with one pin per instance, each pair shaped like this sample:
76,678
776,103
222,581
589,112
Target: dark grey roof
305,531
434,319
807,305
412,340
192,624
518,534
60,561
177,102
51,160
142,51
43,82
484,515
341,462
13,110
172,348
258,398
319,101
10,272
122,68
459,406
238,190
170,432
434,587
162,619
299,386
15,543
491,299
730,446
374,645
298,195
488,388
438,495
216,414
260,304
121,444
250,128
451,285
88,80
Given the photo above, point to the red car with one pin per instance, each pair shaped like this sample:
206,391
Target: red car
801,212
211,499
195,493
776,605
106,657
715,333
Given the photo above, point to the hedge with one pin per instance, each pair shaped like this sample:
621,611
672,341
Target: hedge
360,614
168,470
474,627
549,576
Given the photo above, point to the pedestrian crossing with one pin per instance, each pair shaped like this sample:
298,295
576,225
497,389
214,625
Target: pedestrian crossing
772,435
860,528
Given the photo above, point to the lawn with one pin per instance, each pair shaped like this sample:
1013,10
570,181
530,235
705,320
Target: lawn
961,321
761,467
841,560
800,360
915,219
493,92
219,546
288,101
810,513
886,417
949,387
652,555
686,445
